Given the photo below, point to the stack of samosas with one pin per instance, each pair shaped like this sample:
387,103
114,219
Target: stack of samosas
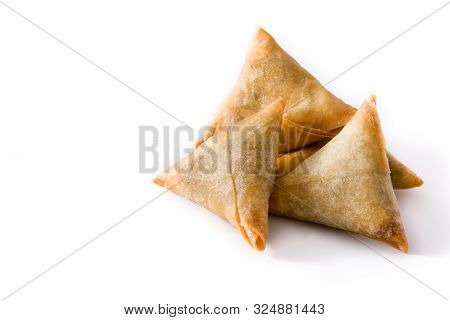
283,144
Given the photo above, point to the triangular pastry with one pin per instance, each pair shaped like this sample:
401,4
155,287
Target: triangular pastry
232,173
401,176
346,184
268,73
312,113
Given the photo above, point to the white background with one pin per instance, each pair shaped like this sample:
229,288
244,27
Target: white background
69,157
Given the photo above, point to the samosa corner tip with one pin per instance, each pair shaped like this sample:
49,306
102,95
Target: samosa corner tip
253,237
372,100
262,37
399,241
418,181
159,180
262,33
370,103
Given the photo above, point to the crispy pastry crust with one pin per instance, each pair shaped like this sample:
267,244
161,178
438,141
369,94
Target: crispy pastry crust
268,73
346,184
232,173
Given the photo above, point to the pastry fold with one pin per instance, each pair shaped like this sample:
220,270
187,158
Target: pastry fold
233,172
289,161
312,113
346,184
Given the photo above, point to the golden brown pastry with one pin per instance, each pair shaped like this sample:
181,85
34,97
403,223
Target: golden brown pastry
232,173
401,176
346,184
312,113
268,73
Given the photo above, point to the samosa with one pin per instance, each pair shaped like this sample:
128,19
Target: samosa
232,173
312,113
346,184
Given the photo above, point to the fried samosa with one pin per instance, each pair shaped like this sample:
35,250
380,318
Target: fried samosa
232,173
312,113
346,184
